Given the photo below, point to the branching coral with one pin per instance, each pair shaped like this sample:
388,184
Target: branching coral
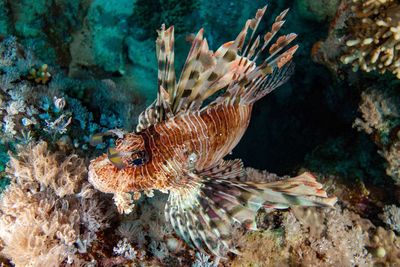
125,249
336,236
46,217
41,75
379,111
381,119
374,41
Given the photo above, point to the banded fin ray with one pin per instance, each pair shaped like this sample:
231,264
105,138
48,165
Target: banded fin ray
253,81
232,68
160,109
203,212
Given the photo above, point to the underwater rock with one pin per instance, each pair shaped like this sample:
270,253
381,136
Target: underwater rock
28,17
219,16
148,15
4,19
46,26
320,10
108,24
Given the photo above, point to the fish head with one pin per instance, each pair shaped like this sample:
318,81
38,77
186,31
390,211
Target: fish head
114,170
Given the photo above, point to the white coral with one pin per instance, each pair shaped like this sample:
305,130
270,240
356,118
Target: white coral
15,107
124,202
125,249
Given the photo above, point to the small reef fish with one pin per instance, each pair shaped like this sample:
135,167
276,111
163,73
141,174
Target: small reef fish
180,141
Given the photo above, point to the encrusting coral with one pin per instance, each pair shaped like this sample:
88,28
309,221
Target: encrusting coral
48,214
385,246
374,41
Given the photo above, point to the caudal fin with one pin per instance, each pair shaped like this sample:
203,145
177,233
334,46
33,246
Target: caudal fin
203,213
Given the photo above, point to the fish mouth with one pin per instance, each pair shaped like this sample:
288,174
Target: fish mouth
96,177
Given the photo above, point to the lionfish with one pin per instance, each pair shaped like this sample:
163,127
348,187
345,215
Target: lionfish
180,142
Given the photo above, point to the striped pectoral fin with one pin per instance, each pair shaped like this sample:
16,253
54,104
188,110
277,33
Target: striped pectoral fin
197,221
203,212
302,190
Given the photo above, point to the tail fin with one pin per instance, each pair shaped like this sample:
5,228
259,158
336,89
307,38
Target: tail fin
203,213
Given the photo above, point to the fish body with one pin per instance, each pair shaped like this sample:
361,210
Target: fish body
190,142
180,143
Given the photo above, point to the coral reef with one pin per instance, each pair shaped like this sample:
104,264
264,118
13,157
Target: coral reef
374,36
48,214
75,68
381,119
303,237
317,10
152,238
33,110
336,237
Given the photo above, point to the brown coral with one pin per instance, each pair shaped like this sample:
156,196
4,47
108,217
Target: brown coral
45,218
374,42
381,119
62,174
392,156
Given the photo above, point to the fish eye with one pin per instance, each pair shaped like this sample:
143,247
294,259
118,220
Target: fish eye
137,162
138,159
